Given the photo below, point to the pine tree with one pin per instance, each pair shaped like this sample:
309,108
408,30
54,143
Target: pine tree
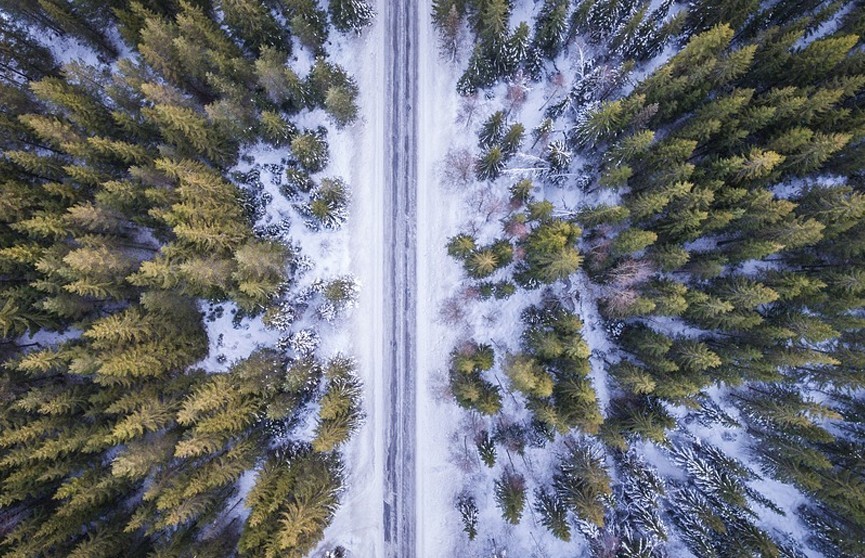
510,493
554,514
581,482
341,105
461,246
486,448
339,414
448,18
550,27
350,15
469,513
280,83
632,240
528,377
22,55
253,23
478,74
292,501
311,151
491,164
308,23
493,130
703,15
550,253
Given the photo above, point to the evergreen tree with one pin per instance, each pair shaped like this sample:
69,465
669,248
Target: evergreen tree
554,514
469,514
253,23
550,27
308,23
350,15
550,253
510,492
310,149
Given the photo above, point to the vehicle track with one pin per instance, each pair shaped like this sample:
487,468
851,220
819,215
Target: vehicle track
400,261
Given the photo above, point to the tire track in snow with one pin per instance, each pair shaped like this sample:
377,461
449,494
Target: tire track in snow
400,275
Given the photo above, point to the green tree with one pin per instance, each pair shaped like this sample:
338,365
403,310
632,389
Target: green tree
554,514
551,254
253,23
308,23
350,15
310,149
510,493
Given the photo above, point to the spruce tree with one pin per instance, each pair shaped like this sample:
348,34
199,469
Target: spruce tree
350,15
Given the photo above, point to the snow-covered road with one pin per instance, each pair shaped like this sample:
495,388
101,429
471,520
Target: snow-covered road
400,275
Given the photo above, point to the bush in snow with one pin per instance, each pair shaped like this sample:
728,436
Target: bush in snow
301,264
274,231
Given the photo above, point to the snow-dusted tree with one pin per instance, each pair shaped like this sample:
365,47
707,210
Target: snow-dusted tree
486,448
308,23
310,149
477,75
554,514
582,482
328,205
558,157
550,27
350,15
493,130
468,510
304,342
339,295
491,164
340,411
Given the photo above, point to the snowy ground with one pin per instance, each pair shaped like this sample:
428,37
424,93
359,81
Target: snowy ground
358,524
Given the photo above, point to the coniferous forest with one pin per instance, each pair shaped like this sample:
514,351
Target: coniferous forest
677,249
122,209
715,150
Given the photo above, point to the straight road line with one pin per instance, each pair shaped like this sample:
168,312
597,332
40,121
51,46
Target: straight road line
400,260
